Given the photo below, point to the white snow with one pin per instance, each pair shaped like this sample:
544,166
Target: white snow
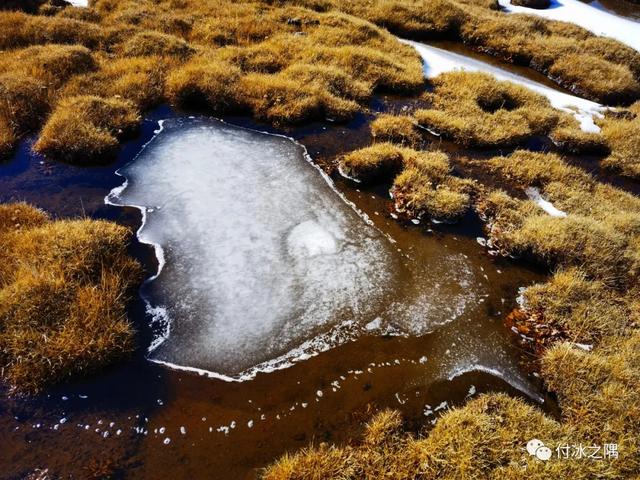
79,3
534,195
589,17
437,61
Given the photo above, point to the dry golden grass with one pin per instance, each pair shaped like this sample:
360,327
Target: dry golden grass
86,129
63,291
475,110
423,183
553,48
426,188
281,64
400,129
599,236
141,80
378,162
570,138
622,134
486,438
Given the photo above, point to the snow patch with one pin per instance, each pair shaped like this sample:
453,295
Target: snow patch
534,195
594,19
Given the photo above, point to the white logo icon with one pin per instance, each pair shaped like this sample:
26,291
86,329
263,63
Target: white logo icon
537,448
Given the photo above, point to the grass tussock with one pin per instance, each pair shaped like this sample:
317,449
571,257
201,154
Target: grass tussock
426,188
381,161
63,290
281,64
86,129
423,183
475,110
621,131
570,138
486,438
600,235
400,129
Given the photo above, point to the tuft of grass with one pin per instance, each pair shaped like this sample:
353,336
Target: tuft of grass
85,129
53,64
600,235
149,43
209,82
621,131
596,77
570,138
140,80
63,291
24,102
378,162
475,110
426,187
400,129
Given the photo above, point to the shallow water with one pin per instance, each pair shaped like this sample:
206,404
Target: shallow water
142,420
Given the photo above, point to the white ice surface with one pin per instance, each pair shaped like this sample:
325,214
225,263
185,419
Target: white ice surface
591,18
534,195
262,262
437,61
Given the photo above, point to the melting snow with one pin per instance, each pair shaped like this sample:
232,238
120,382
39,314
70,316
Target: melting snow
591,18
437,61
534,195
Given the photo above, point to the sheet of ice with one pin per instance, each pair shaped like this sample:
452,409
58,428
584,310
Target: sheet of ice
437,61
534,195
262,261
589,17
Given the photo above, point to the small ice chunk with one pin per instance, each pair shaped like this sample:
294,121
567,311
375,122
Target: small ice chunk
534,195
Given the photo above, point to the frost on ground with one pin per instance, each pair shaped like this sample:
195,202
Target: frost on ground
437,61
587,16
261,258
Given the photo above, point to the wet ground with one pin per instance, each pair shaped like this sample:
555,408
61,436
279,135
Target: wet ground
140,420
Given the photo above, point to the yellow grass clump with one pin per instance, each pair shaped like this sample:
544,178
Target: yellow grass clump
379,162
281,64
63,291
86,129
400,129
621,131
600,235
423,183
475,110
426,187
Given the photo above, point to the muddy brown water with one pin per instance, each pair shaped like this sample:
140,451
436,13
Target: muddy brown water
140,420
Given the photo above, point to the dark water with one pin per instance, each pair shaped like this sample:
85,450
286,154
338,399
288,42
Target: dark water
140,420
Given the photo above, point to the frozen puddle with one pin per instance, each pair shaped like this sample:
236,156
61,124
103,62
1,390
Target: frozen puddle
592,18
262,261
437,61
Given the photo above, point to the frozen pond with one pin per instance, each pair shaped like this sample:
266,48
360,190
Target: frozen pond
262,261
